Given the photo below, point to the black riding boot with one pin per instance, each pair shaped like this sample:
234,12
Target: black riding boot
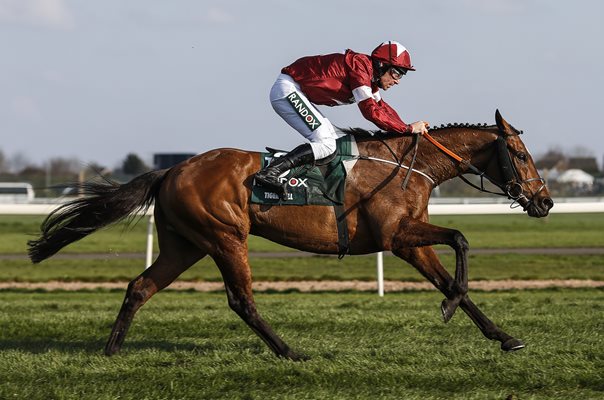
269,176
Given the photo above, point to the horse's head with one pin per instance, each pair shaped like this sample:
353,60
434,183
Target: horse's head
515,170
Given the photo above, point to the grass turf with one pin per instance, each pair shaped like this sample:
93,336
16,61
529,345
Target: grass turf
185,345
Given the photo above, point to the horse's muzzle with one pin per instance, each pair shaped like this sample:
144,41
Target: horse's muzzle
540,207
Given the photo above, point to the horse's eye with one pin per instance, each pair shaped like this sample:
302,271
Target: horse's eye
521,156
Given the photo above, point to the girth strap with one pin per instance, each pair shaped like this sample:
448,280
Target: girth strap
343,240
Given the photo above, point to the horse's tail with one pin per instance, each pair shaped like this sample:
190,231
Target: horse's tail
103,204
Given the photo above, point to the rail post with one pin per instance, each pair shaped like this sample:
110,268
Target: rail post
380,273
149,258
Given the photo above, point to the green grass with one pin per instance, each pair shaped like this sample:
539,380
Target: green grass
509,231
186,345
497,231
482,267
520,231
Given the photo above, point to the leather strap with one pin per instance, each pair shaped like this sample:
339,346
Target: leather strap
416,143
343,240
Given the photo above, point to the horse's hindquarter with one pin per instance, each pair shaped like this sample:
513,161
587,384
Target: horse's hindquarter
206,197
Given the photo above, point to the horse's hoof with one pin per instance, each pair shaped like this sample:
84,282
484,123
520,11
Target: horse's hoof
297,356
512,345
110,352
111,349
448,308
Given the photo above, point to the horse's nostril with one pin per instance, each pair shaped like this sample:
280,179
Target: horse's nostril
547,203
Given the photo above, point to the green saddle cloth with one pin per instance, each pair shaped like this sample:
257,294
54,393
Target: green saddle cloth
312,185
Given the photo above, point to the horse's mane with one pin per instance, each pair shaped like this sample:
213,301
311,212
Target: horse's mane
379,134
463,125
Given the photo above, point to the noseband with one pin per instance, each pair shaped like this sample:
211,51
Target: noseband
512,185
512,188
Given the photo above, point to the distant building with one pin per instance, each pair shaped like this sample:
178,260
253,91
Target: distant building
167,160
577,178
548,163
550,160
587,164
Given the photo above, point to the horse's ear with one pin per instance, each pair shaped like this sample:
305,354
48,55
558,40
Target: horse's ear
502,124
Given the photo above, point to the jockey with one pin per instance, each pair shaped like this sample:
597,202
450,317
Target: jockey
332,80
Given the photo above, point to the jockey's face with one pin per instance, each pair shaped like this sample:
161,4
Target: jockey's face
390,78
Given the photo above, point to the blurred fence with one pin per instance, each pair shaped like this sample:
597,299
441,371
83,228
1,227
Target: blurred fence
437,206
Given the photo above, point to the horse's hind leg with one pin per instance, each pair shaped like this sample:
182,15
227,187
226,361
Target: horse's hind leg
425,260
176,256
234,266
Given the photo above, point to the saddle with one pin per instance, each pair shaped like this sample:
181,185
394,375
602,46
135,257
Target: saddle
321,184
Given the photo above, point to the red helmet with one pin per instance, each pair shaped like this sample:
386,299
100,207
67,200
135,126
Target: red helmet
393,53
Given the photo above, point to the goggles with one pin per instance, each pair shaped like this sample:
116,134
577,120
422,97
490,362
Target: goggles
397,73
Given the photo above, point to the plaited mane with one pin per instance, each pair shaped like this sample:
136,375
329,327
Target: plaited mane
468,125
462,125
364,133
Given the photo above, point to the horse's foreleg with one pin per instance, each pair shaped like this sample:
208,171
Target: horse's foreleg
237,277
488,328
425,260
415,233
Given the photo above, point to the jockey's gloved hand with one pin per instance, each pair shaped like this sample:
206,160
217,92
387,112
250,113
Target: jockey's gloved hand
420,127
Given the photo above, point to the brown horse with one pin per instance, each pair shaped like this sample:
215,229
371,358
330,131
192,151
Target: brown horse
202,207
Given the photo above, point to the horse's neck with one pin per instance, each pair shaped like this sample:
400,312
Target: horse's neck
388,148
473,145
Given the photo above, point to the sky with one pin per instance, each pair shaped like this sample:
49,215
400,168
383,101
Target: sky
96,80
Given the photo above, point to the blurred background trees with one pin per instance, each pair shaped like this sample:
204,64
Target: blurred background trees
55,177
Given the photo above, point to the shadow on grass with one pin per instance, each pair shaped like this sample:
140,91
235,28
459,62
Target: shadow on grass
38,346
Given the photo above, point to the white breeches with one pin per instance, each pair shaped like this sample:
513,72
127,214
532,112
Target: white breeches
294,107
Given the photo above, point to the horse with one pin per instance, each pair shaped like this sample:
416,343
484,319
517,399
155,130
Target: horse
202,207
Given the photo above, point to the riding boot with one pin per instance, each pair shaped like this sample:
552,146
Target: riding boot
269,176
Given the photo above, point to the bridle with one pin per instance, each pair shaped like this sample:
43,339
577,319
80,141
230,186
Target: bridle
511,187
